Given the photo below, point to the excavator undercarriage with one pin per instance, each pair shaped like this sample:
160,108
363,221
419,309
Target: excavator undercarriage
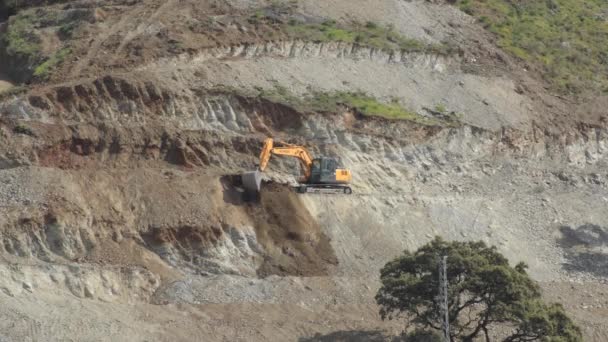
324,189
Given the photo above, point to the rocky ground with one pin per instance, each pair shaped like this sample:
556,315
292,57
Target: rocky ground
120,217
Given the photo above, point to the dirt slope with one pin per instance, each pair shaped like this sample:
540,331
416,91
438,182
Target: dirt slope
118,213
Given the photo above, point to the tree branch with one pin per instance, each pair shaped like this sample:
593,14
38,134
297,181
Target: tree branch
426,320
480,326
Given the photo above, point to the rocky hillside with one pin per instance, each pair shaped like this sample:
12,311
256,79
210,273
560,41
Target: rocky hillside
124,122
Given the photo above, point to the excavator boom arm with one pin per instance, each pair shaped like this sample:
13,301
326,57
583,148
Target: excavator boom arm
287,150
266,153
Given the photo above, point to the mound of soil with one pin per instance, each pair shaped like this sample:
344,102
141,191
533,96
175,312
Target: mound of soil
294,242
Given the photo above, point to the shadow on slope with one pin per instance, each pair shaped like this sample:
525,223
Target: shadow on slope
586,249
350,336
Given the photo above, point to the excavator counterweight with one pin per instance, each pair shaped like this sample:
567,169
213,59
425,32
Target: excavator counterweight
321,175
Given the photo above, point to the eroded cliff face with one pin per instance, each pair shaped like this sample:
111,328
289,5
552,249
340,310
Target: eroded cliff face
119,210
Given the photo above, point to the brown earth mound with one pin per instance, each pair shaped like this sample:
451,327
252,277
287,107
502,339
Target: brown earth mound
293,241
291,237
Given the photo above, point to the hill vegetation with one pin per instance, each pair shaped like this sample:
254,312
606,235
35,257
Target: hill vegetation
371,34
21,43
567,37
368,34
335,101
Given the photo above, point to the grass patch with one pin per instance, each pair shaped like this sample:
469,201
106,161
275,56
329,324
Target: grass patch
369,34
44,70
281,16
367,105
569,38
333,102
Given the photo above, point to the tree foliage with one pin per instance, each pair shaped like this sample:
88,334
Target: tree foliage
483,291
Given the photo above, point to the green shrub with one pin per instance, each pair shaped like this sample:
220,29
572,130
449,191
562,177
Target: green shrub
66,30
20,38
20,43
440,108
568,38
22,129
44,70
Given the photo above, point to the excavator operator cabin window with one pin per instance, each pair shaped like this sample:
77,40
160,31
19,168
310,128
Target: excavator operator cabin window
316,165
330,165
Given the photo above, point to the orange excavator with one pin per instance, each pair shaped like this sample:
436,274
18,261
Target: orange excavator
321,175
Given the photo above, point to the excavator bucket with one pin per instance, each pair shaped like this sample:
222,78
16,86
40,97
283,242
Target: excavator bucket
252,181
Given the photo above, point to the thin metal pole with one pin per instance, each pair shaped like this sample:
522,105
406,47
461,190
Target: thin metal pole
443,296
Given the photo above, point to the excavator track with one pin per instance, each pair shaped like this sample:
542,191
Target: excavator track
324,189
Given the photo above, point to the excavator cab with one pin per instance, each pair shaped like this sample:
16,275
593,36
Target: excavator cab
328,171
